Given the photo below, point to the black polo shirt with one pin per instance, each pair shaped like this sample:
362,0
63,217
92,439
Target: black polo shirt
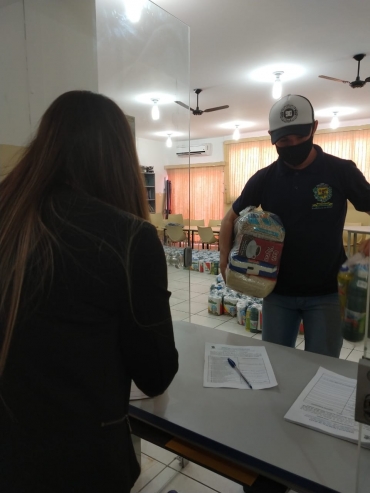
312,204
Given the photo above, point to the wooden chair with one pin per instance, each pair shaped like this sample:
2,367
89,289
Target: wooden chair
206,236
360,237
214,222
176,234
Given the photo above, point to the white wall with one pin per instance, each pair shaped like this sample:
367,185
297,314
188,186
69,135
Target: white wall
47,47
15,124
153,153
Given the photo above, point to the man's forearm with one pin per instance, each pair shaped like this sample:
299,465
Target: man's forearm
226,238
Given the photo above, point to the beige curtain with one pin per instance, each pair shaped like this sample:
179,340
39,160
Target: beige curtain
244,158
206,192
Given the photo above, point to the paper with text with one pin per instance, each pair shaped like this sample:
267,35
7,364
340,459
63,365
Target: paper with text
252,361
327,404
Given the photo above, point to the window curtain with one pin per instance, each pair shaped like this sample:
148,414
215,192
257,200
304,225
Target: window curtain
206,192
243,159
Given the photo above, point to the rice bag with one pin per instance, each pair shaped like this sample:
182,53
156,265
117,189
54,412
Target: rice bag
255,256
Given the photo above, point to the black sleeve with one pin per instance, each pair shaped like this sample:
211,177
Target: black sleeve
251,194
358,189
150,352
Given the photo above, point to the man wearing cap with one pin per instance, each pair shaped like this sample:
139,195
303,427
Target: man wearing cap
308,189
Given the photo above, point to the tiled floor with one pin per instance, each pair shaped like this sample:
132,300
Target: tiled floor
160,468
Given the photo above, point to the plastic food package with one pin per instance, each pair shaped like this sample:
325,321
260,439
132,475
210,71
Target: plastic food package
215,304
352,288
255,256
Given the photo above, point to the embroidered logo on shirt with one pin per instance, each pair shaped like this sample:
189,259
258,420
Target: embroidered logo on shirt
289,113
322,193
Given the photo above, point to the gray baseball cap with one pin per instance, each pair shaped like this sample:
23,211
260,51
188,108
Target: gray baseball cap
291,115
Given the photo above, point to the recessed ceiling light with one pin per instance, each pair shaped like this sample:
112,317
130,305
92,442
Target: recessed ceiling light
340,110
239,123
161,97
266,73
165,133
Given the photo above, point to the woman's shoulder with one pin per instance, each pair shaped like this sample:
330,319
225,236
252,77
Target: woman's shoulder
82,212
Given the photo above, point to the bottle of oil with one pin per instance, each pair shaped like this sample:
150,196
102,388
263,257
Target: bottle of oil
353,325
344,278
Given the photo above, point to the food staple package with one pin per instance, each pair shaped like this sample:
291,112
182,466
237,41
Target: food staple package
255,256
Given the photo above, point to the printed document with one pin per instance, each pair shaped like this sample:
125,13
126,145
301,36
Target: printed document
327,404
252,361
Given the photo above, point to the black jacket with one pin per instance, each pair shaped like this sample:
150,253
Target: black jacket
103,320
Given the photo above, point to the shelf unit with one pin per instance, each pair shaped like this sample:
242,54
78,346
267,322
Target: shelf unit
149,182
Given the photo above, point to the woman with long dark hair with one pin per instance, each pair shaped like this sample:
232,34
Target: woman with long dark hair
84,306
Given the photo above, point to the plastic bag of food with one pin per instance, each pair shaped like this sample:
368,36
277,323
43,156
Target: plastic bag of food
255,256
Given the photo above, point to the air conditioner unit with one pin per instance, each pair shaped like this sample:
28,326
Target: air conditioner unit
199,150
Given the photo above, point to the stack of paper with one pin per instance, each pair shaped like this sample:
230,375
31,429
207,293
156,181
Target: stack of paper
327,404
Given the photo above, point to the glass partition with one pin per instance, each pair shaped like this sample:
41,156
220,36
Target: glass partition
130,50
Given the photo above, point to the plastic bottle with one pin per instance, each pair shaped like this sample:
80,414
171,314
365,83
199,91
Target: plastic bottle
253,321
353,326
344,278
248,318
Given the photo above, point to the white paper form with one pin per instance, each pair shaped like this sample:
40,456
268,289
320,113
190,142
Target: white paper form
252,361
327,404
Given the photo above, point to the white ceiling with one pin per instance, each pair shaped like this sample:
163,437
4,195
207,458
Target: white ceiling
231,38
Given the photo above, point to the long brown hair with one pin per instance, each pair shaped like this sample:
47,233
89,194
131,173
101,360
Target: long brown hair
85,141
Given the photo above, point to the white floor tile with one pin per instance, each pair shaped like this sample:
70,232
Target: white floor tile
180,274
205,313
176,285
300,346
177,315
158,453
348,344
355,356
257,336
205,321
194,306
208,478
344,353
170,479
201,298
175,301
150,468
199,288
182,294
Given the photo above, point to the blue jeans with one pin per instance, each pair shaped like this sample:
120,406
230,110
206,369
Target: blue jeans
281,317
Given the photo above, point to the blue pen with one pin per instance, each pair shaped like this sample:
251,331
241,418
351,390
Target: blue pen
233,365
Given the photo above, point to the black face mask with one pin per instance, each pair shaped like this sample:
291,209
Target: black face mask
295,155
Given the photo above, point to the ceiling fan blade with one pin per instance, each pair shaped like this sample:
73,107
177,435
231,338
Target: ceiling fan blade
184,105
332,78
215,109
367,79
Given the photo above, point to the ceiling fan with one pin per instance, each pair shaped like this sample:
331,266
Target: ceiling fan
197,111
356,83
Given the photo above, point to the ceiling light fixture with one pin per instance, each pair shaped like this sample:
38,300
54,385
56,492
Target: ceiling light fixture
155,109
236,134
169,141
277,87
335,121
134,9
